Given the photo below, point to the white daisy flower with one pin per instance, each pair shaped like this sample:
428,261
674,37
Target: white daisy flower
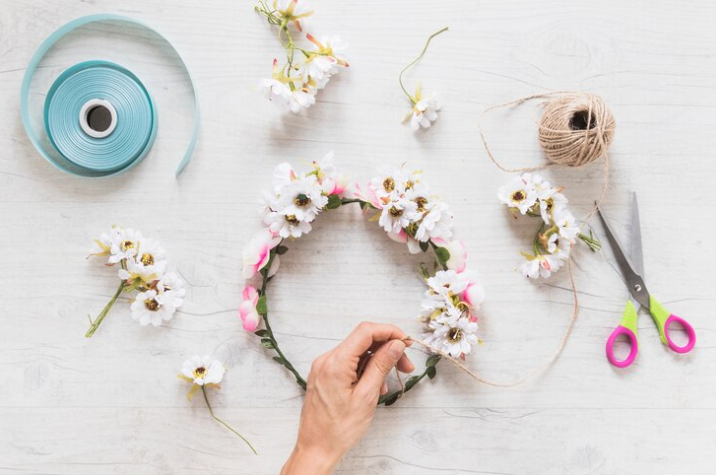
125,245
301,99
286,225
152,307
397,215
455,337
136,270
203,371
171,289
542,265
519,194
391,183
302,198
292,11
276,91
324,58
448,283
436,221
567,225
103,245
424,111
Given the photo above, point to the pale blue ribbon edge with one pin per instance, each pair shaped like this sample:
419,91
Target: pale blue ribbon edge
40,53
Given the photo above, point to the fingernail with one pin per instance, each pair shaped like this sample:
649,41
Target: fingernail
396,349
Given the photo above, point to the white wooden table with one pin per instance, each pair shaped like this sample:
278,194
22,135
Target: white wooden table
112,404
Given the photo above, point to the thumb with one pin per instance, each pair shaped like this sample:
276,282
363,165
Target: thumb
380,365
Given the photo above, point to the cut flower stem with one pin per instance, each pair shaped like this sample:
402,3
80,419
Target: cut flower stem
422,53
211,411
96,323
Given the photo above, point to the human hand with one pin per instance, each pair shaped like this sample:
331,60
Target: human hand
343,388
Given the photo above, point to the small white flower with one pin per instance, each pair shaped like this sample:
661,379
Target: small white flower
448,283
203,371
519,194
424,111
301,99
567,225
171,289
293,11
125,245
144,271
542,265
286,225
276,91
103,245
397,215
436,221
152,307
455,337
302,198
324,58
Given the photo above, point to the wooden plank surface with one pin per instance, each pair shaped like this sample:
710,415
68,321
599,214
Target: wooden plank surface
112,404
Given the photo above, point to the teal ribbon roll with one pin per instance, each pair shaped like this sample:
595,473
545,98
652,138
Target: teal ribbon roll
127,125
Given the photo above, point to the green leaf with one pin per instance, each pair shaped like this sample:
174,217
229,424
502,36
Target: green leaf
262,333
390,400
279,360
443,254
431,372
281,250
334,201
432,361
261,306
411,382
267,343
424,246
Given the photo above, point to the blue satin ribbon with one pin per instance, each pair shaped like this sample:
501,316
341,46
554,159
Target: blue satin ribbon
75,151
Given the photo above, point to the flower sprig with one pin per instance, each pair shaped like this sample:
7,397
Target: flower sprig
142,267
294,84
531,195
425,108
206,372
405,208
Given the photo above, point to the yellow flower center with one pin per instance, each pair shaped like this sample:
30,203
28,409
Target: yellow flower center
152,305
518,196
291,219
395,212
388,185
454,335
126,245
302,200
199,372
421,203
147,259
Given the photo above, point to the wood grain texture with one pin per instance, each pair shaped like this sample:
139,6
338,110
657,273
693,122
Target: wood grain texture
112,405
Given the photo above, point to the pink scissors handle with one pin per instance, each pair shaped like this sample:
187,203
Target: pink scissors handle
618,331
689,331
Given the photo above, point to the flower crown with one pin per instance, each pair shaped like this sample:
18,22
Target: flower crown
403,205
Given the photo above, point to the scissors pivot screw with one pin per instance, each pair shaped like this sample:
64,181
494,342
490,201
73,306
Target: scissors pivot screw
637,287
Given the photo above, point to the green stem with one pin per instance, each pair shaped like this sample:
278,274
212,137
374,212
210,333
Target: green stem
591,241
211,411
422,53
96,323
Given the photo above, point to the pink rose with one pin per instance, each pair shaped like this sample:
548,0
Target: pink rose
474,293
247,309
458,254
258,252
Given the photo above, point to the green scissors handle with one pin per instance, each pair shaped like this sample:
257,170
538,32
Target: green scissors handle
628,328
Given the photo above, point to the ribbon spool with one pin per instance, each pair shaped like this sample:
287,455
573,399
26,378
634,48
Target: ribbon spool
99,117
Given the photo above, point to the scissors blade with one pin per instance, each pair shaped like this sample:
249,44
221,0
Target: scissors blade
633,280
637,253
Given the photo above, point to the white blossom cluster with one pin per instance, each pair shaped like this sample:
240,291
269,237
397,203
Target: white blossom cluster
142,267
310,63
531,195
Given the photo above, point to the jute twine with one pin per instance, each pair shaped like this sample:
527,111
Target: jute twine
575,130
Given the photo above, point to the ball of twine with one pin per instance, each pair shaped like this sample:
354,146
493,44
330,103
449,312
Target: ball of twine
576,129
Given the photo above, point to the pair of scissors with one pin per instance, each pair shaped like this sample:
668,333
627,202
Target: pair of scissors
632,269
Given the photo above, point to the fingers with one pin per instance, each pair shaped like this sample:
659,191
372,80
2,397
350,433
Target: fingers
379,366
366,334
405,365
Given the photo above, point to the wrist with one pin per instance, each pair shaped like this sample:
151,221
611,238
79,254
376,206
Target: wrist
308,460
